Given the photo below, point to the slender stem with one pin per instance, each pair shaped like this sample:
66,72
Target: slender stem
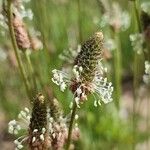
136,74
31,72
14,43
147,120
137,16
79,21
71,125
117,68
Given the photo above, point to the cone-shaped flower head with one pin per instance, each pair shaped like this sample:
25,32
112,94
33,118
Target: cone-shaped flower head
89,56
55,109
86,76
38,138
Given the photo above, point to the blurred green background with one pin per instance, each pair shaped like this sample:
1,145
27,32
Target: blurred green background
61,24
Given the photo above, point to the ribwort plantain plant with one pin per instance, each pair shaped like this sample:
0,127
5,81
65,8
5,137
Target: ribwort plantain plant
86,78
46,127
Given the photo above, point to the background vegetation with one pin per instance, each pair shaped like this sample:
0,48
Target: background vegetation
60,24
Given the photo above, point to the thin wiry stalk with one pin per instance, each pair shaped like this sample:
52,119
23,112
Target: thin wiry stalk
135,4
31,70
147,119
117,68
71,125
79,20
136,73
14,43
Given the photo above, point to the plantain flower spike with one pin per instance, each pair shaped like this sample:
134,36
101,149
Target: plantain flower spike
55,109
86,77
21,33
89,56
38,138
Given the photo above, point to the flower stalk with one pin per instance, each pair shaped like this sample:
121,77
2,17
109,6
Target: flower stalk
136,72
117,65
32,74
86,78
71,125
14,43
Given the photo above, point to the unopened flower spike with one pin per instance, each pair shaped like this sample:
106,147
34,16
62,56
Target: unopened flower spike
58,126
31,127
38,137
55,109
86,75
42,128
21,33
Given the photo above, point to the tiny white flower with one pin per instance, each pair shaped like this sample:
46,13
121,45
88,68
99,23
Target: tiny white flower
10,129
146,76
76,117
80,69
77,101
16,142
71,105
79,91
15,131
18,127
76,124
33,139
145,7
42,137
63,86
51,119
54,135
28,118
43,130
20,146
95,103
35,130
23,113
26,109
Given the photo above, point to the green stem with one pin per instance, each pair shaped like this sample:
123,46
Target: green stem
71,125
14,43
137,16
31,70
117,68
147,120
79,21
136,73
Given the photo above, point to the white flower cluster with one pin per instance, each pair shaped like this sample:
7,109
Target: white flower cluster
3,25
99,87
14,127
146,7
70,54
58,78
137,41
54,130
23,12
25,115
103,90
110,44
146,77
116,18
41,135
